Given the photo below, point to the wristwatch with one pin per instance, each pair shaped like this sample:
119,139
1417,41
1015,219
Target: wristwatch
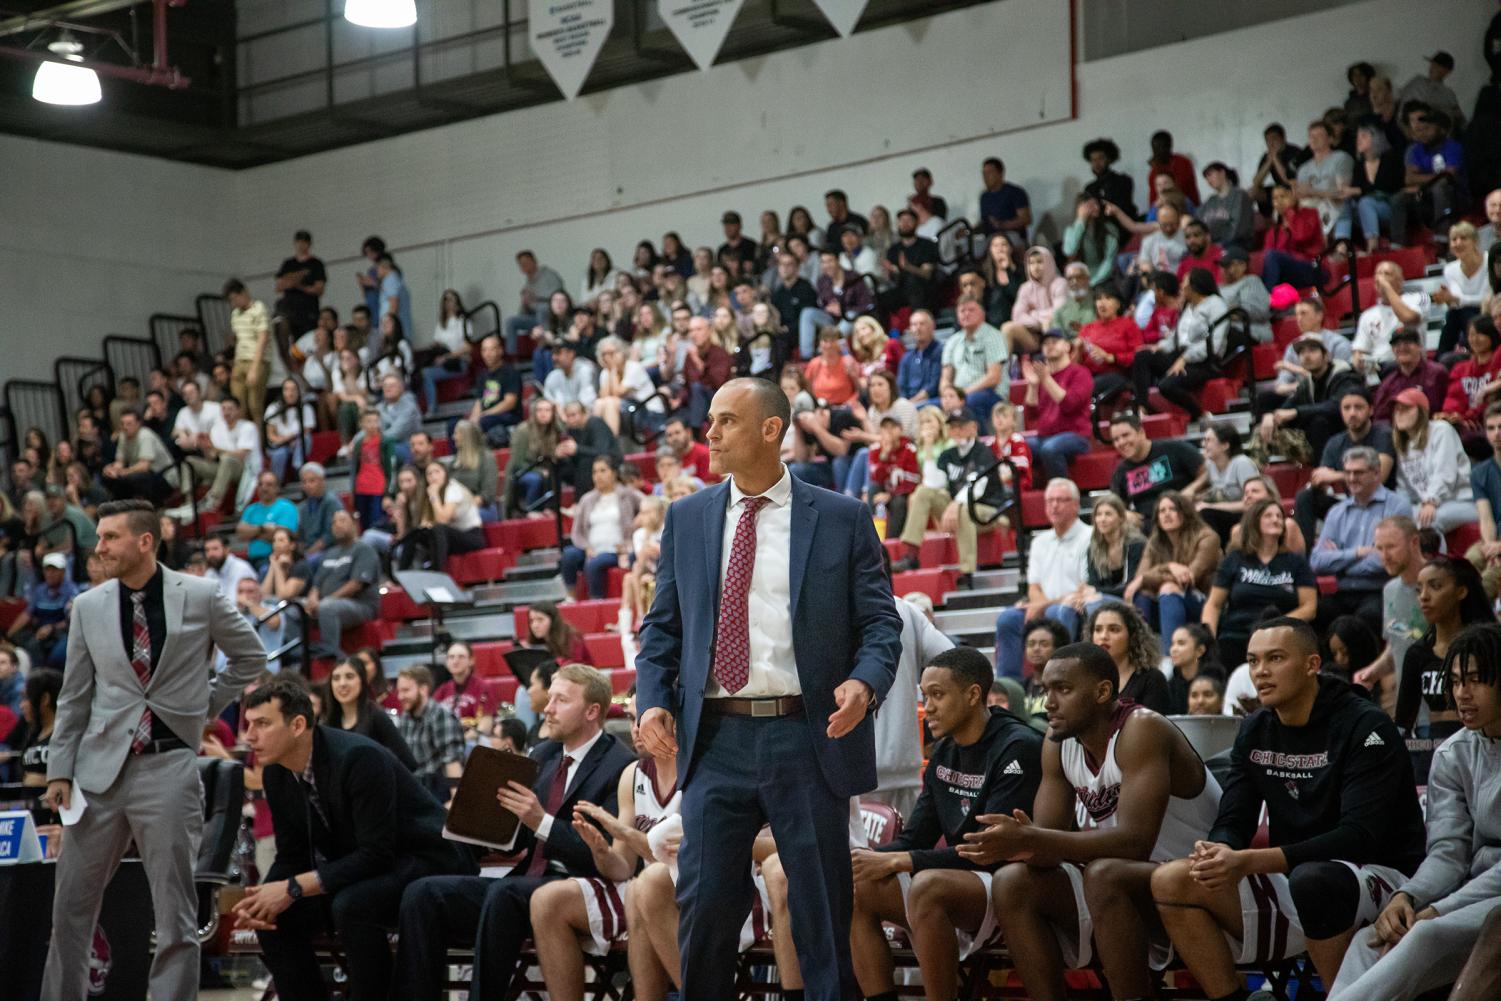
294,889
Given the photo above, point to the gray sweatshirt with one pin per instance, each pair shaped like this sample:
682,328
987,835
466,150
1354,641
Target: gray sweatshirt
1464,826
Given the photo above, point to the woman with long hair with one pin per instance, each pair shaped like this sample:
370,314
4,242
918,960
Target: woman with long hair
393,355
623,383
1261,488
403,515
534,440
287,573
598,276
547,629
873,348
1350,647
1115,548
450,522
474,466
880,237
1433,471
1451,597
800,223
1217,490
448,359
290,423
675,255
644,260
770,241
1091,239
1377,186
648,338
36,439
58,463
1116,628
1261,575
1465,284
717,296
1177,567
1003,277
1192,653
602,526
349,393
724,329
351,706
698,280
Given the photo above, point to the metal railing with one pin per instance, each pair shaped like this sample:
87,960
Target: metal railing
33,403
213,320
164,330
136,357
76,376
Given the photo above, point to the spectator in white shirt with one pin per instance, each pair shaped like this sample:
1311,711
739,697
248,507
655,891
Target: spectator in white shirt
290,424
234,449
1057,579
195,420
1394,310
225,568
623,382
1465,284
451,341
1492,229
572,379
854,257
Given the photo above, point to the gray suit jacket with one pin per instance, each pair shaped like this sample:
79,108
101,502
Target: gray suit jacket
102,698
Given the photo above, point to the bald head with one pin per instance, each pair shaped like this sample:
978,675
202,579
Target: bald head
766,397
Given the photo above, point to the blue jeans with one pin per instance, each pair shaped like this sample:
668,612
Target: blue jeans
856,479
541,364
818,474
294,450
1167,612
1008,636
980,401
521,325
1343,221
531,485
1055,452
596,569
808,322
1278,266
434,374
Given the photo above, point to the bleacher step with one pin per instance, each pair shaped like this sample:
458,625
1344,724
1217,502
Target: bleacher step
521,592
966,620
993,598
493,625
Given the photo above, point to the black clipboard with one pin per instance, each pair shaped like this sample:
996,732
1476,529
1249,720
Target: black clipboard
524,660
476,817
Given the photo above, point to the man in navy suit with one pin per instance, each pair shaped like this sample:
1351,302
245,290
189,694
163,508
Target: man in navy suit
579,761
771,638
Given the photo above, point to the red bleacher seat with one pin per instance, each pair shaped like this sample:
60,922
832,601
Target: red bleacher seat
1155,426
1034,511
1413,260
507,685
934,583
646,462
1328,584
604,650
10,610
502,457
325,444
1264,358
1214,397
442,446
594,616
1284,332
991,547
519,535
483,566
394,604
1257,257
621,679
455,389
1092,470
373,633
613,585
1459,540
490,658
1289,477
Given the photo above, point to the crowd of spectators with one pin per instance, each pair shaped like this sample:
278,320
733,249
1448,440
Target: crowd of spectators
940,373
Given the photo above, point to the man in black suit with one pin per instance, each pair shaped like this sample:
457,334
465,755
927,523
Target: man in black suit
579,762
352,825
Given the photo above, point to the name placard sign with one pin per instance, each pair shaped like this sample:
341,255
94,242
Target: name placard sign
18,840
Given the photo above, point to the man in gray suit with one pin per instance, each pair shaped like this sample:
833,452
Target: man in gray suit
138,686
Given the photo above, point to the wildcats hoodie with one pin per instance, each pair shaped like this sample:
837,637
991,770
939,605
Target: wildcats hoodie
998,773
1338,788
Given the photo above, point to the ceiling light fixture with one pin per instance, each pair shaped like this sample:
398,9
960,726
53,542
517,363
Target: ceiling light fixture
381,13
65,80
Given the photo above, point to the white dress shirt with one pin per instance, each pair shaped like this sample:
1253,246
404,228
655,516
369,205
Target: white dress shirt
576,757
1056,564
773,668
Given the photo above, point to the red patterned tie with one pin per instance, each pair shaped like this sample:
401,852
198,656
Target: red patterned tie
140,660
555,792
732,642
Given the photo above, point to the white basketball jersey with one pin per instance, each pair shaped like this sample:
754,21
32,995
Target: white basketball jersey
1098,792
651,809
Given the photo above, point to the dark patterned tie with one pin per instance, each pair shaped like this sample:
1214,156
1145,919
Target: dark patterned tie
140,660
554,803
732,641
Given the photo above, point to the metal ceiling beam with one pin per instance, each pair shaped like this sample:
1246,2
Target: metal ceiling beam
69,11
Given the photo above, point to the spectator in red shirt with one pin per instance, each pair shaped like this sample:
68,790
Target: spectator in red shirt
893,474
1010,446
1413,369
1293,243
1059,391
1177,166
708,366
474,700
833,376
1108,345
1474,382
692,455
1201,252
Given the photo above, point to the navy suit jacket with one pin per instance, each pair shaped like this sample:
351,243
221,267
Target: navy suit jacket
844,624
597,781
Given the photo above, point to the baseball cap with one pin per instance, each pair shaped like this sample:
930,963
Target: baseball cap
1313,339
1235,254
731,216
963,415
1413,397
57,561
1443,59
56,490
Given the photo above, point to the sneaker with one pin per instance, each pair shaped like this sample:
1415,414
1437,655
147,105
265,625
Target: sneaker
905,564
182,513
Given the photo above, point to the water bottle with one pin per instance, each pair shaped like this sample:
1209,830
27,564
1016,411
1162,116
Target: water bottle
880,520
1438,163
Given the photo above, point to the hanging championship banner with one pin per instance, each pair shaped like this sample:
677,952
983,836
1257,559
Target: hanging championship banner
842,14
700,25
567,35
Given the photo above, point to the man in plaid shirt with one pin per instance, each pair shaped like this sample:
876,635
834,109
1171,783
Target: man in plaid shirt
435,735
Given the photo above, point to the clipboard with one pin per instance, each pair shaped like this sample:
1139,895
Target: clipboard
524,660
475,817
